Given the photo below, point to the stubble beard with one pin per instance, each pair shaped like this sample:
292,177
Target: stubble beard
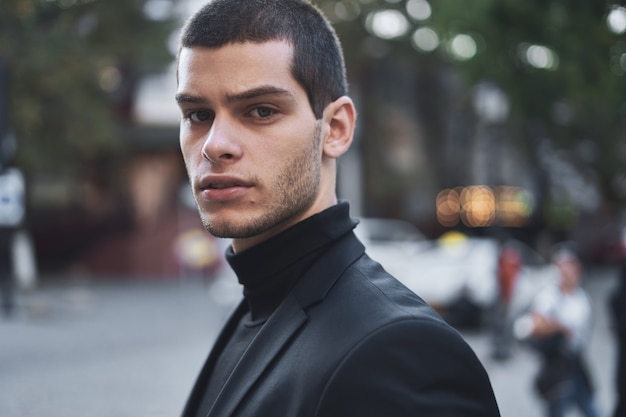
296,187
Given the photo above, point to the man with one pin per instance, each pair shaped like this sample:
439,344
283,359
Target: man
559,325
323,330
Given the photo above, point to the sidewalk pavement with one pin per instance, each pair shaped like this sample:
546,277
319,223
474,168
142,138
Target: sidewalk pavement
119,348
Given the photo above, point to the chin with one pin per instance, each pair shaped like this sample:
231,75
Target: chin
229,227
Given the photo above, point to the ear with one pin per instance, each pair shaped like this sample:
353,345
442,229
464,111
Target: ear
340,119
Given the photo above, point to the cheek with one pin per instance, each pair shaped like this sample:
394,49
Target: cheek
183,139
184,150
189,147
271,149
299,140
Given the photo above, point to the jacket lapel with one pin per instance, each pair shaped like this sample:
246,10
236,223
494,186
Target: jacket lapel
264,347
195,398
283,324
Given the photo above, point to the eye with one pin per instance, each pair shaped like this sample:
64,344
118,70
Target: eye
263,112
200,116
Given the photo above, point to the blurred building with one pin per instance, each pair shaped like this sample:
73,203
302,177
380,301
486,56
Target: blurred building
129,216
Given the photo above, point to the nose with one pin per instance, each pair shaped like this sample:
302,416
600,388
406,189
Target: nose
221,145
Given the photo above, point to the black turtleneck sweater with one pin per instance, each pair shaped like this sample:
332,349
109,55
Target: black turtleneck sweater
268,271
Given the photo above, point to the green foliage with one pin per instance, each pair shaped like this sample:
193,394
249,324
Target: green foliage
575,30
73,67
580,99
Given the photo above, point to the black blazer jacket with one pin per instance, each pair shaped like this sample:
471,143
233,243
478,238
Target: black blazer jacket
350,341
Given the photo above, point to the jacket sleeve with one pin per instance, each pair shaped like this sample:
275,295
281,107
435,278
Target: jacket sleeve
414,368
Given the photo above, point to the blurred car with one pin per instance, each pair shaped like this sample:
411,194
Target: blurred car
611,250
455,274
602,239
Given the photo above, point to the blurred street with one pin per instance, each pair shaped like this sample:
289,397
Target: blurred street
90,349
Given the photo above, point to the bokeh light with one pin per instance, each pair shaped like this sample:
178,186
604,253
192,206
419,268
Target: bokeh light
540,57
418,9
387,24
463,47
514,206
478,206
616,20
347,10
110,78
481,206
425,39
157,10
448,207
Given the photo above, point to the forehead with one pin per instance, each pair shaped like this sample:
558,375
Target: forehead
236,66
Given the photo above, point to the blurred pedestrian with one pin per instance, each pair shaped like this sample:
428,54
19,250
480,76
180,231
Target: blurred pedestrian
618,310
7,291
12,210
322,330
558,327
508,270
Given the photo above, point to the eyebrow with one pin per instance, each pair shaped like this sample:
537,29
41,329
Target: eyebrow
189,98
267,90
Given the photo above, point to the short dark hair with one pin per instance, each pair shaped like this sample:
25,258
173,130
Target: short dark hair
318,63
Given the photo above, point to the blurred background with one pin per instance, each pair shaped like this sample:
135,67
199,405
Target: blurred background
491,119
498,114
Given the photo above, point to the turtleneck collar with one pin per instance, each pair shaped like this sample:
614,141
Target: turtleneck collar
268,270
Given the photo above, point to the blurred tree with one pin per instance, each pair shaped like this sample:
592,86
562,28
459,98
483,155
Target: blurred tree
406,101
73,67
561,64
563,68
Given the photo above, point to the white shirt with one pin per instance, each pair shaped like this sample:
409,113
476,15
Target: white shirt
573,311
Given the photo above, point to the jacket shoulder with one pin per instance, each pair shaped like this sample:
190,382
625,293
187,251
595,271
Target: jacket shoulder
366,288
399,357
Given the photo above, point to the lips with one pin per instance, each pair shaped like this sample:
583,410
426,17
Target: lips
220,183
221,186
221,189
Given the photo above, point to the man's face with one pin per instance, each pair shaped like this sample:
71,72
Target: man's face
571,271
250,141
